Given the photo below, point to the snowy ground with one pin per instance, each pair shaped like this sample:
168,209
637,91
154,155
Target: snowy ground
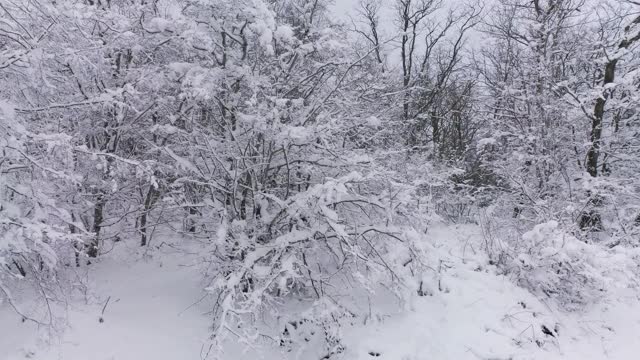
154,312
150,315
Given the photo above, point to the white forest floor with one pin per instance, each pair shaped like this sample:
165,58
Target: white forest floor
478,316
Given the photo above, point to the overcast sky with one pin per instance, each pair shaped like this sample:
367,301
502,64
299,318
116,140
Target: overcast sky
346,9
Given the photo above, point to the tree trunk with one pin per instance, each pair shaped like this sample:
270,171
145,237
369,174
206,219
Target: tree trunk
149,200
596,121
77,246
98,216
598,112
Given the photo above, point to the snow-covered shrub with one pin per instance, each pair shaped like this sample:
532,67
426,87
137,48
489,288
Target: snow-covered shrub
35,229
320,246
553,263
469,190
270,152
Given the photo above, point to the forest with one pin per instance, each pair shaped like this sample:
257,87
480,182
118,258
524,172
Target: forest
303,158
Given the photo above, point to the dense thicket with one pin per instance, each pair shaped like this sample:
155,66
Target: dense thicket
309,155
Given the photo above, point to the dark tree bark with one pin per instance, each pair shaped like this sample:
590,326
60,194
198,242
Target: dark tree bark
98,217
150,199
593,153
77,246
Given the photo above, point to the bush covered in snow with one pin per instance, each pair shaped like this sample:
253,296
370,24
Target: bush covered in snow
555,264
35,235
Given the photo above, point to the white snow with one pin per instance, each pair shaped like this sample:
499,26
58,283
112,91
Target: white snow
7,111
156,311
159,24
486,141
152,314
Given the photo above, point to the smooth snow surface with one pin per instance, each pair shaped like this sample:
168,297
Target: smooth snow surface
155,312
150,315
